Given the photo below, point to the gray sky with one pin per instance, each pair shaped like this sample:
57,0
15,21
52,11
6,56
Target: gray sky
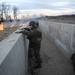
45,6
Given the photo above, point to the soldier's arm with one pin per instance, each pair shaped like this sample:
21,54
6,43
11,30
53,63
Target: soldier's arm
24,32
30,34
27,29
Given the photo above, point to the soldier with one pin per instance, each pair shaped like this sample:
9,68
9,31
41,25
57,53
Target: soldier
35,38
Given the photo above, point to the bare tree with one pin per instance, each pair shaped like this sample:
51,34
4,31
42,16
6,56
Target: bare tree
1,11
15,12
4,10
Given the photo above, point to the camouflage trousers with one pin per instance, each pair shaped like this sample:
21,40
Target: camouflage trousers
35,54
33,60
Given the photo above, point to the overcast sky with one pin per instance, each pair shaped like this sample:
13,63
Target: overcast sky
52,7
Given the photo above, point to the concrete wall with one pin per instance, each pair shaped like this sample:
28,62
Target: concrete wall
14,49
13,55
62,34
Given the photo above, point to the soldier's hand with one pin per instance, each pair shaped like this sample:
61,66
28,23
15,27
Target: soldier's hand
27,29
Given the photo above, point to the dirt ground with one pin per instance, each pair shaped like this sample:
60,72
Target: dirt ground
7,31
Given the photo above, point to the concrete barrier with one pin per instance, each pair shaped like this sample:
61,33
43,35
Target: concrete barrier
62,34
13,55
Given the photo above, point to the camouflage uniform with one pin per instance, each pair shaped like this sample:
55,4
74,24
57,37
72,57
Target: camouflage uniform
35,43
35,38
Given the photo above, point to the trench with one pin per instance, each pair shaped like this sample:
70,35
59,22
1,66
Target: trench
53,61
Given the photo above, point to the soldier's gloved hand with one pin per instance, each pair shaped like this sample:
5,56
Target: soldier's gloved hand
27,29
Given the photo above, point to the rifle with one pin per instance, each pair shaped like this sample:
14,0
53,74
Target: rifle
25,29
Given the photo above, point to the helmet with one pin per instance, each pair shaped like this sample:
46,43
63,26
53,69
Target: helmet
33,24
